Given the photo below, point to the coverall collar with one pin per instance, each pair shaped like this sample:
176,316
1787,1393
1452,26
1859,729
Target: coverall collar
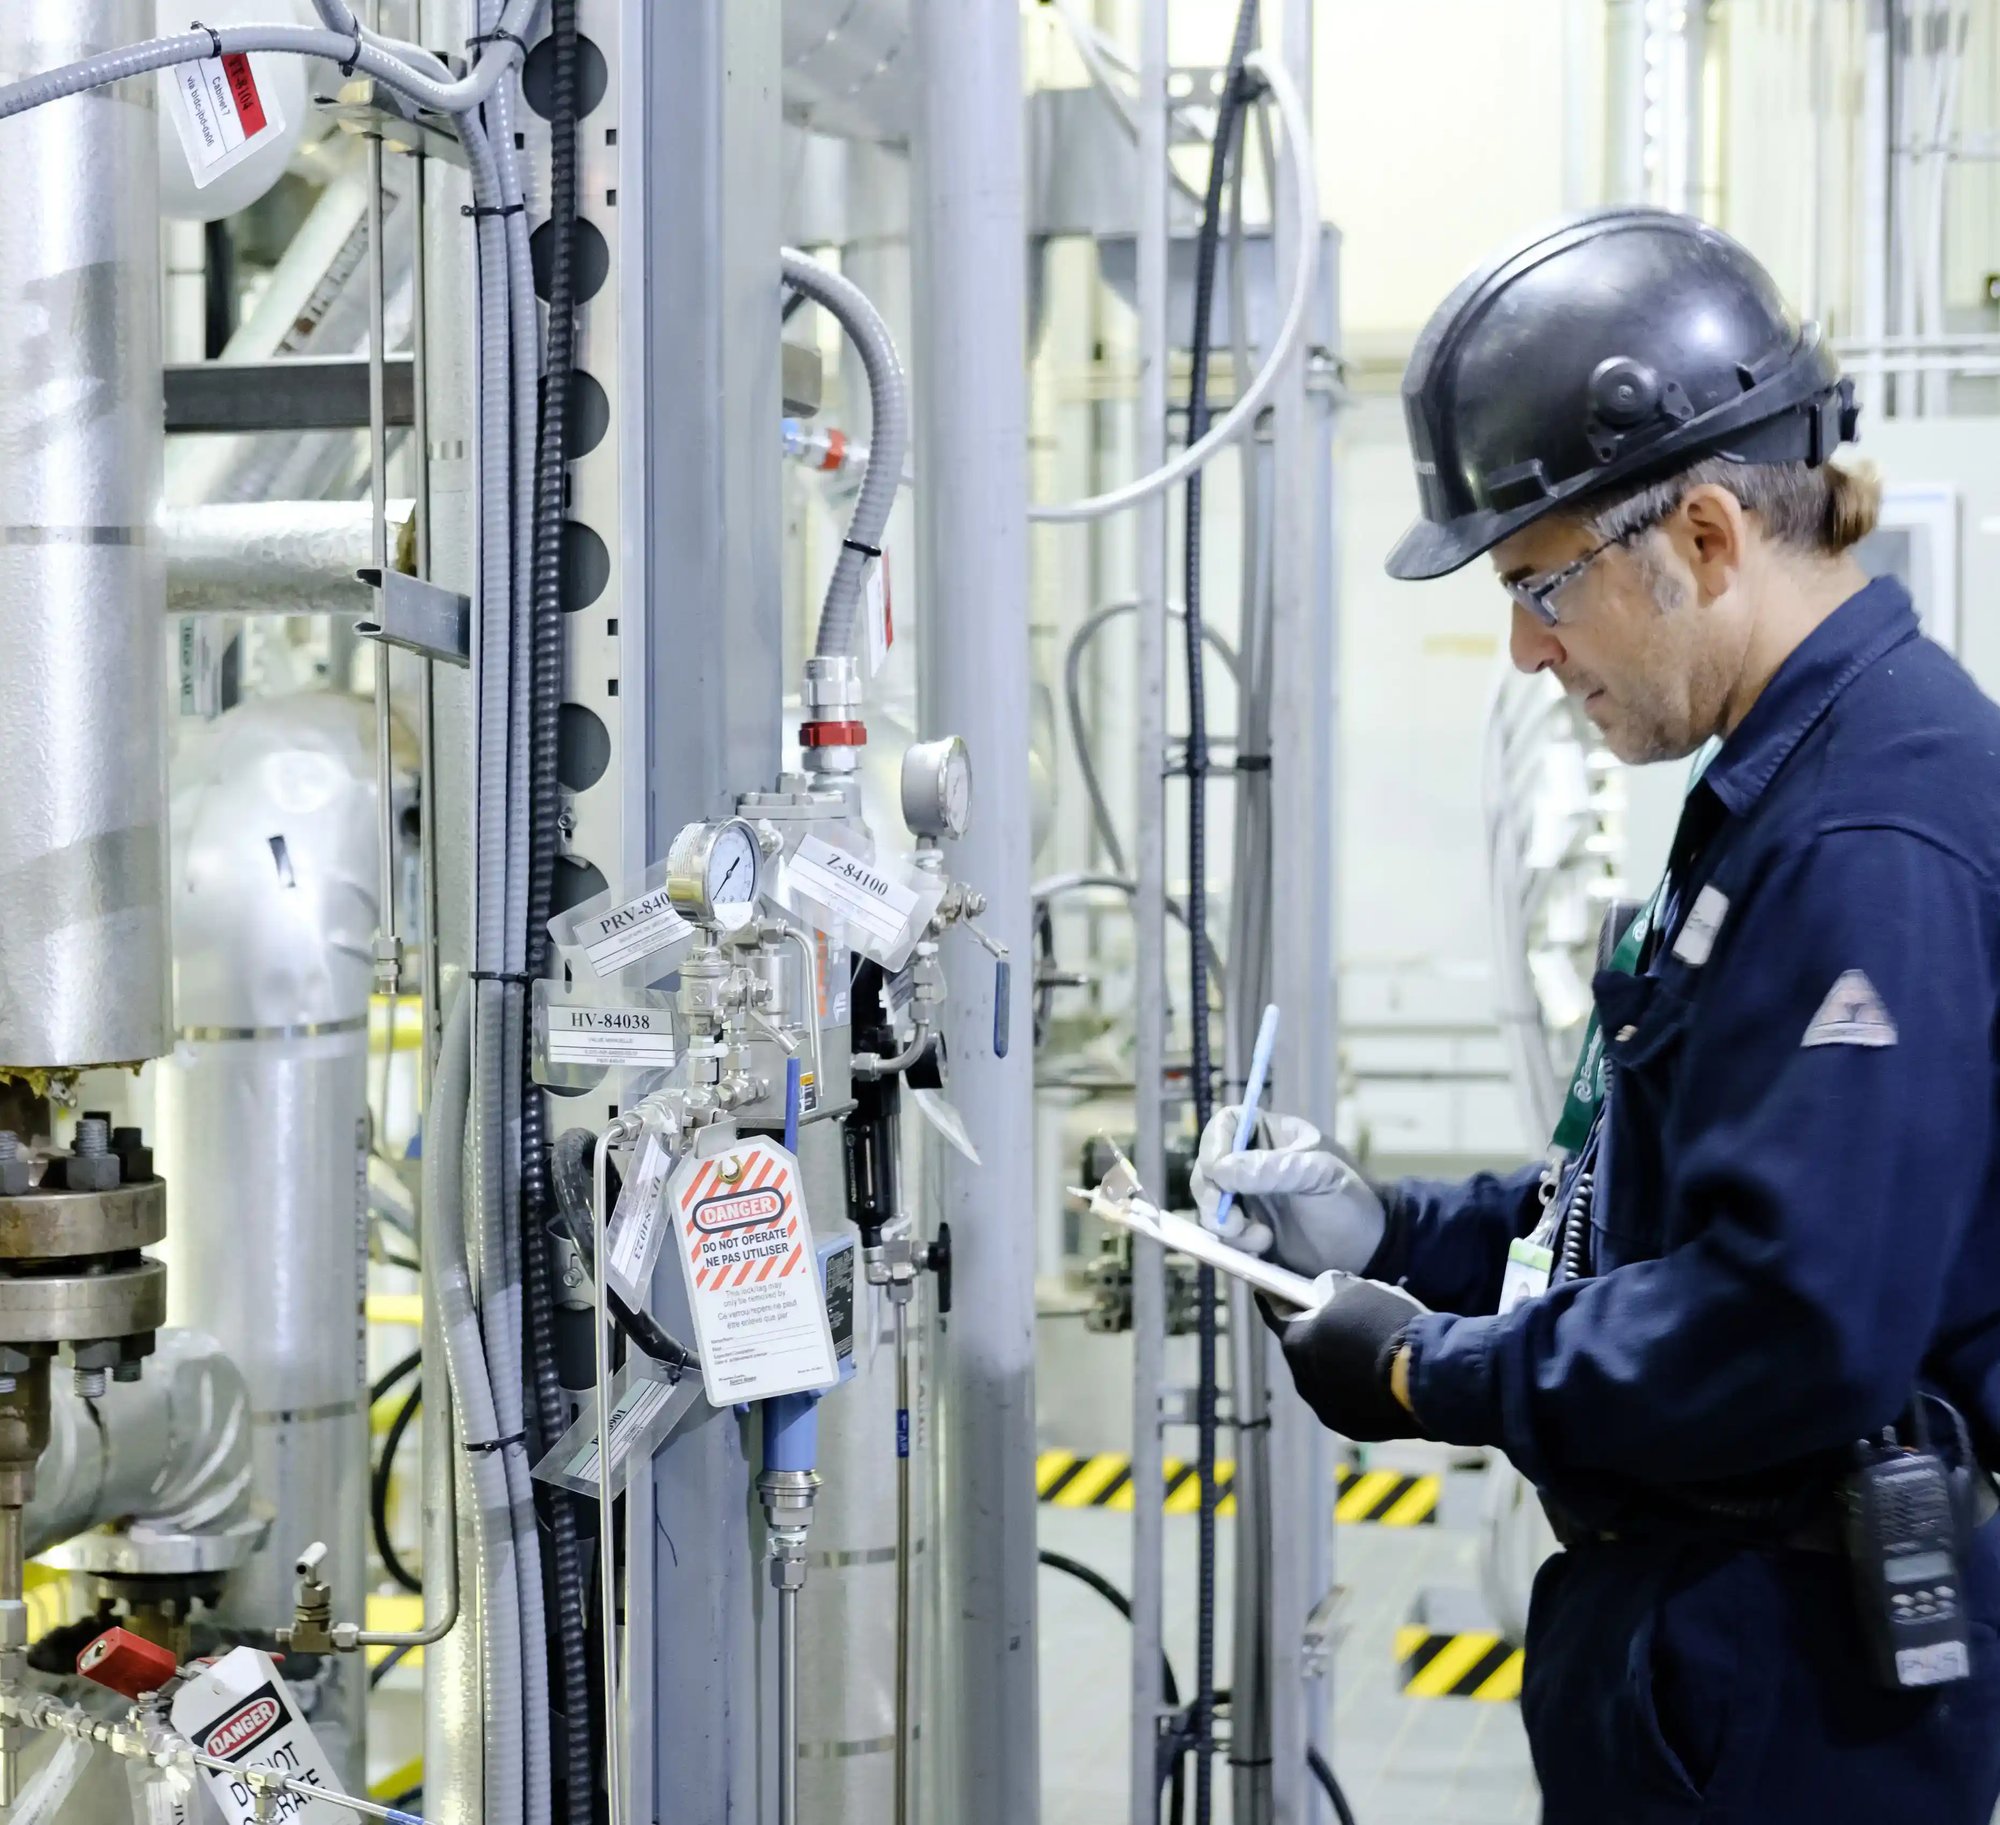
1875,618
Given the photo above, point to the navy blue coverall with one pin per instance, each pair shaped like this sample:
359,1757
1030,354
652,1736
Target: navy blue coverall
1796,1225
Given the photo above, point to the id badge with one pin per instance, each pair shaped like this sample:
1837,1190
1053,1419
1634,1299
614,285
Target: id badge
1527,1277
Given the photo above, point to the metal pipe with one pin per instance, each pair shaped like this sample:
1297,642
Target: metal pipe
970,231
788,1705
1149,1318
389,950
1626,179
427,797
83,848
13,1635
607,1557
1876,154
270,557
903,1556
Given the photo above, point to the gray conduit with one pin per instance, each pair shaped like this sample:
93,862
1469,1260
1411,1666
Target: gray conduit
888,440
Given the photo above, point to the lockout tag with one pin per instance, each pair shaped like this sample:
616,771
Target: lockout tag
583,1033
636,1229
746,1249
240,1711
1529,1265
878,907
647,1401
223,114
629,933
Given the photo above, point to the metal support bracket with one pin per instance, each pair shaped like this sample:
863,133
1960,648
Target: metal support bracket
421,617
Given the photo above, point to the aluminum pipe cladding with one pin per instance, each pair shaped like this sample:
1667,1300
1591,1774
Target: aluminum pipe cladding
83,852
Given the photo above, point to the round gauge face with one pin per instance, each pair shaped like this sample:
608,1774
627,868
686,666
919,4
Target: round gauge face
955,789
734,865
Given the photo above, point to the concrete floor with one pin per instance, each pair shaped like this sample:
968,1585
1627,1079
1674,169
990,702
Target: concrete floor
1401,1760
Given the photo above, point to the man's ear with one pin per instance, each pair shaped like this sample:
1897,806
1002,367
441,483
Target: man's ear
1710,530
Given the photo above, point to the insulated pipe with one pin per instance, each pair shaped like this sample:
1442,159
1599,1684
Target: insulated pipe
969,224
850,70
271,557
83,852
261,1124
889,434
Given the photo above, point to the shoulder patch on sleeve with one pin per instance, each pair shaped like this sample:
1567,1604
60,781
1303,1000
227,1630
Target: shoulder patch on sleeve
1851,1015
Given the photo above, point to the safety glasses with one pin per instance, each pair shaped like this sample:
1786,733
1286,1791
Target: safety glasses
1538,594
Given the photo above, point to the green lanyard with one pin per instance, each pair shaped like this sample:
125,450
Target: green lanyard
1587,1080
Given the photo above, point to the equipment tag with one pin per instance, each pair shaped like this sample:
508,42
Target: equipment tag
1529,1266
932,1106
746,1249
632,1243
873,905
633,932
241,1711
881,618
610,1036
222,115
647,1402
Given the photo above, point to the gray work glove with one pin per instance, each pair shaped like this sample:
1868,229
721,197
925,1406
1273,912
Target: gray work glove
1306,1205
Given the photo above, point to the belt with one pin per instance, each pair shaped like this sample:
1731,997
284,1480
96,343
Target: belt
1822,1532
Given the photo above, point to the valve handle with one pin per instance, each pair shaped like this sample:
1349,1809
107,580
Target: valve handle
1003,982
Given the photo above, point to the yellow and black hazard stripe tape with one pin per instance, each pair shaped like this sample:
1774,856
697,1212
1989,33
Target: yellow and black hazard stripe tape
1104,1480
1388,1498
1474,1665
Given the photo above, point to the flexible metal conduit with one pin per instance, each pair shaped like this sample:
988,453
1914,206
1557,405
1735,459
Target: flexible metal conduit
888,438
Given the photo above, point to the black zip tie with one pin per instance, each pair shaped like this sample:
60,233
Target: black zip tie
500,976
1253,763
867,551
353,56
481,211
214,37
496,1444
519,43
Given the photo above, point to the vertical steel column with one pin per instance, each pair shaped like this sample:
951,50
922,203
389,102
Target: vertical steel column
969,227
1149,1295
1626,178
1305,718
705,529
1685,147
1877,222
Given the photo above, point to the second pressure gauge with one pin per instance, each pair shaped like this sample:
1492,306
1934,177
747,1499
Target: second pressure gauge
715,873
937,787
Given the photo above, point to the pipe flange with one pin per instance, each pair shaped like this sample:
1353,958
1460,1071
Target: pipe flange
151,1549
39,1225
67,1308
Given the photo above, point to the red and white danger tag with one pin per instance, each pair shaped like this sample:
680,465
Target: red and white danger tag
222,113
746,1249
241,1711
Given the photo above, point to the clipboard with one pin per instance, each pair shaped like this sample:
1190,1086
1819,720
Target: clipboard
1185,1238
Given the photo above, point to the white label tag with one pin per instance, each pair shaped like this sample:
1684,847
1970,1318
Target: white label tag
610,1036
876,909
881,619
1935,1665
1699,928
633,1245
636,1409
222,113
947,1121
633,932
241,1711
746,1249
1529,1265
899,990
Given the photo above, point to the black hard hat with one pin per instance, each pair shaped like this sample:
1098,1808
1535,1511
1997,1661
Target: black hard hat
1615,347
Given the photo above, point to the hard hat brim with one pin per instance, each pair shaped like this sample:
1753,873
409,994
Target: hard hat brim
1429,550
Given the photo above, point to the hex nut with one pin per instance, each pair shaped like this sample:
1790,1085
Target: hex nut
92,1172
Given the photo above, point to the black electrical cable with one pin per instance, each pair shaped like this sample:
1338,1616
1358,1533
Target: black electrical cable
378,1492
1228,126
1324,1775
387,1665
547,1409
795,301
1097,1581
393,1374
571,1171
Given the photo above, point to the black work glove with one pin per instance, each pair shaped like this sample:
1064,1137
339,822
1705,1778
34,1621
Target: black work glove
1340,1357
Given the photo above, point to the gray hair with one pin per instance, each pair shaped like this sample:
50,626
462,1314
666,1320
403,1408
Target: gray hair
1820,510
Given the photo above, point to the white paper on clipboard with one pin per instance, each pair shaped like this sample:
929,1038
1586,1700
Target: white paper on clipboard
1186,1238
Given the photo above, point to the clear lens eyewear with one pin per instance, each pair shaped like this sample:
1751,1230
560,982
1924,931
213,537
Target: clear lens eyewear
1538,594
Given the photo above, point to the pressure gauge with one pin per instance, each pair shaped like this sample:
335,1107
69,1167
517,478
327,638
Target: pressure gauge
715,873
937,787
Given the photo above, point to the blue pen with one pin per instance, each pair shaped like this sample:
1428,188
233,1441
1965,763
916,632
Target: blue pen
1253,1094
